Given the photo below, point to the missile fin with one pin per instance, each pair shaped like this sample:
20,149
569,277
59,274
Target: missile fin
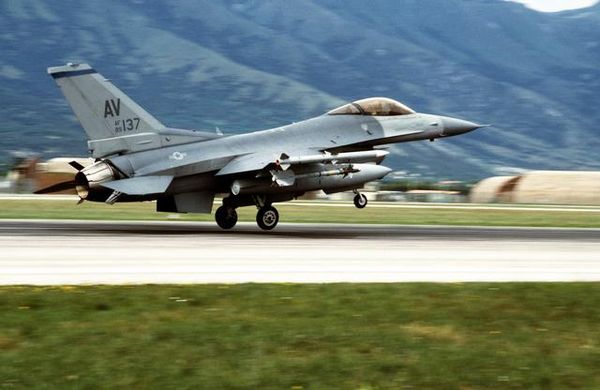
283,178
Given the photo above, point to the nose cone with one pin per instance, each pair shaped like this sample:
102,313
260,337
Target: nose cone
378,171
454,126
383,171
369,172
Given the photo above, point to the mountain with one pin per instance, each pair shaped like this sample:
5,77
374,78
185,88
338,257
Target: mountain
249,65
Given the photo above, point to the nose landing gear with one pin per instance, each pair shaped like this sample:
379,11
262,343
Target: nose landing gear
360,200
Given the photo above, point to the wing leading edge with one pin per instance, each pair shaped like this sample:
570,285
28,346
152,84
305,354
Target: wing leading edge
260,161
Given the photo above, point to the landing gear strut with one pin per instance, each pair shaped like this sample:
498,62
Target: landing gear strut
226,217
267,217
360,200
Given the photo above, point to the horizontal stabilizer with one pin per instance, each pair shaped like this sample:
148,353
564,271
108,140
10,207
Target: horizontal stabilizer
58,187
142,185
76,165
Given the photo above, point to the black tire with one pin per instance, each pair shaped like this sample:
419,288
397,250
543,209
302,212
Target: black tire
360,201
226,217
267,217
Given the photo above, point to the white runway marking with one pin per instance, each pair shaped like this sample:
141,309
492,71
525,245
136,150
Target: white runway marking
372,204
133,253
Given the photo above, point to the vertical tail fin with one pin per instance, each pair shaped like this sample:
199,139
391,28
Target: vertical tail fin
103,110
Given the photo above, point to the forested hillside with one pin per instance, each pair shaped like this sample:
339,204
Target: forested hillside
249,65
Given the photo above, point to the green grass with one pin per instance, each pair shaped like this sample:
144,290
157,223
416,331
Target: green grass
290,212
454,336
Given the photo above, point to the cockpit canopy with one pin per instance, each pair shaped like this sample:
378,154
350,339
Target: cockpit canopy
377,106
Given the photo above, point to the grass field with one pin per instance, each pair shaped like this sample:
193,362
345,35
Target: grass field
454,336
290,212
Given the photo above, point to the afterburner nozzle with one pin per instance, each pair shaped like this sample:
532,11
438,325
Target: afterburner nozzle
92,176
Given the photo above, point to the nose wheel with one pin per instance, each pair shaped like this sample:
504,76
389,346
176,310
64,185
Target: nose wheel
360,201
226,217
267,217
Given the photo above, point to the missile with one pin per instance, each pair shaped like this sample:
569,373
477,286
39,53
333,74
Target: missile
286,161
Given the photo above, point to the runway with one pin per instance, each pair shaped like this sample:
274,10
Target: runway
43,252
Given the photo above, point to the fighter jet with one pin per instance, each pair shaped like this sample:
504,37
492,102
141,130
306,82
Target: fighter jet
138,158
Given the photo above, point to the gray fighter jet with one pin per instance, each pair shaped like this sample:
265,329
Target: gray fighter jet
137,158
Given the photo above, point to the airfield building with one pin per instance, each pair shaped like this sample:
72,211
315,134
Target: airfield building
544,187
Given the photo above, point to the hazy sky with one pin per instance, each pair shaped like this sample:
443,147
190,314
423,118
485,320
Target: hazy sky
556,5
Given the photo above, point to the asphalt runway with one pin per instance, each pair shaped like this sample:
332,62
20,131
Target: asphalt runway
44,252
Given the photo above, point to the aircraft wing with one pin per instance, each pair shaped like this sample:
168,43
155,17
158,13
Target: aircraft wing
248,163
282,161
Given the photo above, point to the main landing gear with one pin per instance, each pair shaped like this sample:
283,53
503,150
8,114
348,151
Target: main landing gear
267,216
226,217
360,200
